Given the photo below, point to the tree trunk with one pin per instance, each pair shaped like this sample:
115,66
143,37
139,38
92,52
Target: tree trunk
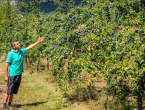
140,101
143,3
26,61
47,65
141,84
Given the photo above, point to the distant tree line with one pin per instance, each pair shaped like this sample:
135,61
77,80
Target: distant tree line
47,6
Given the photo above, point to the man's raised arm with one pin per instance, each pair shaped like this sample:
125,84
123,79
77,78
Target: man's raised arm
33,45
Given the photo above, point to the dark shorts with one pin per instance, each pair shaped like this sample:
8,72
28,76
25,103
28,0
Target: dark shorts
13,84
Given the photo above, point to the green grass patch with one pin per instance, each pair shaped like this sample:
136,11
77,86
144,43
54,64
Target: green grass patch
36,92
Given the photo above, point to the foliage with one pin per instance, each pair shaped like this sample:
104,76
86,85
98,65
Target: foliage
104,38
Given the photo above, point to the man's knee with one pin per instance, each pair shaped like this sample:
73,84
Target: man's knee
6,90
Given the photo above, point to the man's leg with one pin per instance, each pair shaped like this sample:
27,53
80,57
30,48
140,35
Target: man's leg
10,99
9,90
6,96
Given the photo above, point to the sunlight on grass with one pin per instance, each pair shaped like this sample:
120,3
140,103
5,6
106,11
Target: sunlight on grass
35,91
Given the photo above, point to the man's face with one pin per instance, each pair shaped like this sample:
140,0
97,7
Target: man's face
17,45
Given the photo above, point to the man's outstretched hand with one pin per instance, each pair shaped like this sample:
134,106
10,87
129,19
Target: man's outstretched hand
41,39
33,45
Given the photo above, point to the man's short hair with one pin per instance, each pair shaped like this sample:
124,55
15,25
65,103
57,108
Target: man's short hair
13,43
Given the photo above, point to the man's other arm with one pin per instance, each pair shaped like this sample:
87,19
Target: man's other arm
6,71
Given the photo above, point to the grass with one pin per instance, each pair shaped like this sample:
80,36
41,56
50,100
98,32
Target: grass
38,92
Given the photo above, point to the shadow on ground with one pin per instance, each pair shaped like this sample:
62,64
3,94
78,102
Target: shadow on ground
30,104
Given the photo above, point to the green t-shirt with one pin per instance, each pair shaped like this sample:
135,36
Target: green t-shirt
15,60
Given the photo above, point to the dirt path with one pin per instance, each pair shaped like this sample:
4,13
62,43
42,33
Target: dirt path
2,90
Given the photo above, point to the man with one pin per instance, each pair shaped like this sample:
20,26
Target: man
15,63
